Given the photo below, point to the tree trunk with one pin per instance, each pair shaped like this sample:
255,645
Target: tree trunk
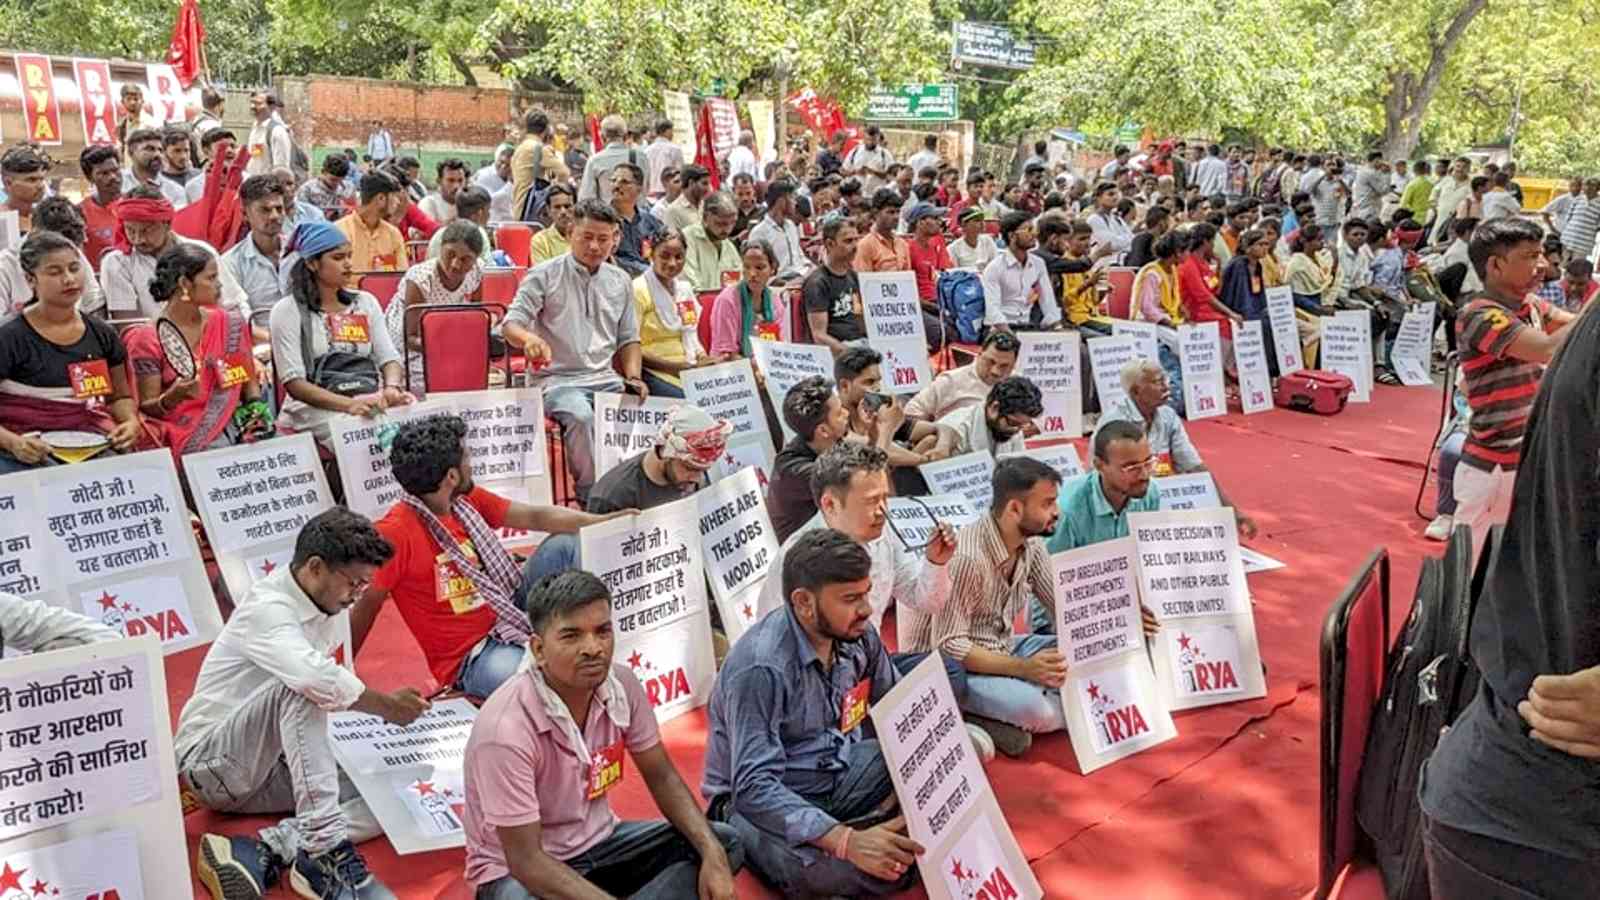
1406,103
462,67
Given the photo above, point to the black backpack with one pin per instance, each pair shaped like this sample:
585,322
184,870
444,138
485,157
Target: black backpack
1430,677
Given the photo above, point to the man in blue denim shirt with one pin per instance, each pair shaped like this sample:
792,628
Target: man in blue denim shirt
789,764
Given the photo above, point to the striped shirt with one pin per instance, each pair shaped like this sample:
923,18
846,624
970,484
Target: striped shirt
1500,389
1583,221
982,604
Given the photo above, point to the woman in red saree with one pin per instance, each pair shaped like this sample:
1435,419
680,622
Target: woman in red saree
220,406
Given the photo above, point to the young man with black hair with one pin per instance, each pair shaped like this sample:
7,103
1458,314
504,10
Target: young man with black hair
694,183
551,241
24,173
253,739
819,419
996,426
450,177
789,763
832,293
663,153
547,748
257,261
144,159
879,419
1075,272
1112,235
459,592
270,142
968,385
882,249
1499,202
146,221
473,204
375,244
870,160
103,170
1017,293
779,228
535,160
749,205
178,179
711,262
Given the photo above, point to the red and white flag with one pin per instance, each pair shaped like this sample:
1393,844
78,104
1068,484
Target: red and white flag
186,54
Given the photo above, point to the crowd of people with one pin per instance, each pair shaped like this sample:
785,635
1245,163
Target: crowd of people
251,260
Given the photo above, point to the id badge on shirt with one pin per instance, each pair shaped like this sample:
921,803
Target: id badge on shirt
230,373
730,276
689,312
348,328
855,304
854,706
767,331
89,379
605,769
1163,465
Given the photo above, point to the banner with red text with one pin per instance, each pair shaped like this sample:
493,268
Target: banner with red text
96,100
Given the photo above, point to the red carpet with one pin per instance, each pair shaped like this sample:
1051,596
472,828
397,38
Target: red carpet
1240,780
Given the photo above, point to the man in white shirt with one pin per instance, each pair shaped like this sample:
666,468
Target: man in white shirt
1448,194
927,157
34,626
1499,202
973,248
663,154
380,143
742,159
997,424
870,161
253,738
441,204
1114,166
1107,224
144,160
125,276
495,179
1014,277
1211,172
1371,186
597,173
1556,211
779,230
270,143
969,385
178,180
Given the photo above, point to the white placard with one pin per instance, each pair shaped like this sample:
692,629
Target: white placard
625,426
1413,347
11,236
894,328
970,475
1191,577
1112,706
410,775
1107,356
1195,490
1050,361
745,451
728,391
785,365
676,106
1061,457
914,518
117,524
738,545
1285,329
253,500
1200,357
652,564
1144,336
944,794
1256,561
94,720
1250,358
1347,349
166,93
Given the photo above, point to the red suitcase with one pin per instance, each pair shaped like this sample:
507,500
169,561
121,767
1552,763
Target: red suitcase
1314,390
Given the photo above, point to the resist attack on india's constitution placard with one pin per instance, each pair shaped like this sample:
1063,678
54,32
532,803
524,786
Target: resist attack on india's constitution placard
1050,361
1191,576
651,562
253,500
410,775
894,328
1200,357
1112,706
728,392
785,365
1250,358
970,475
625,426
944,795
738,546
109,538
88,780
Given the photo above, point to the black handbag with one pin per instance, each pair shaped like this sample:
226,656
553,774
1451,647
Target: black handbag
340,371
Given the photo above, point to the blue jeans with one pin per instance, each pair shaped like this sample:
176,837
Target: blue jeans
1449,457
10,465
1040,619
1170,364
1016,702
905,662
558,553
641,860
573,408
804,870
660,387
487,667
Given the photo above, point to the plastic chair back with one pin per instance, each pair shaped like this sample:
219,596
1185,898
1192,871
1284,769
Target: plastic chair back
455,346
381,285
514,238
1119,302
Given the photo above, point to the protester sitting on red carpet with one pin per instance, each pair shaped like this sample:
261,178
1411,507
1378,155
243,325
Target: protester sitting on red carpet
457,588
1146,404
788,761
253,739
814,412
968,385
144,232
547,748
999,424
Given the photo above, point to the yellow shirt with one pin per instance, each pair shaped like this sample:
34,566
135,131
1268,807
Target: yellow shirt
381,249
1271,271
1163,290
1080,299
655,339
546,245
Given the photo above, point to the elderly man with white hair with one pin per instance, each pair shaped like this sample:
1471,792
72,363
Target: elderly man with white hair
743,159
1172,453
597,174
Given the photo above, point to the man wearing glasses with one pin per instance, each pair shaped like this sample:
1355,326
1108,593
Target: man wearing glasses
254,737
997,425
640,229
967,386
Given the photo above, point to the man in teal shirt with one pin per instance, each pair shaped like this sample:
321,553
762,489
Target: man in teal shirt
1095,505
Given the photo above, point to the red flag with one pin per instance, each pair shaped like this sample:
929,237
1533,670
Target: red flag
705,153
186,53
594,134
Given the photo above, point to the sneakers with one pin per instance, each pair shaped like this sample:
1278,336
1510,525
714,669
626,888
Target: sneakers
1439,529
981,742
236,868
1008,739
337,874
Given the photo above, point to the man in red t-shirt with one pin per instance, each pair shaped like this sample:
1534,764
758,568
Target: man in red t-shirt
929,257
457,588
103,170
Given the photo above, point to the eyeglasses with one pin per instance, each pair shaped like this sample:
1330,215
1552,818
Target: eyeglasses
910,547
357,585
1134,468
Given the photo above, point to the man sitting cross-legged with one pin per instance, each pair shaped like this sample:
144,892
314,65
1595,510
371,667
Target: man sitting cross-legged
547,748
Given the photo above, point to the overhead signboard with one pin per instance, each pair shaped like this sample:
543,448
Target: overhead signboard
913,103
989,44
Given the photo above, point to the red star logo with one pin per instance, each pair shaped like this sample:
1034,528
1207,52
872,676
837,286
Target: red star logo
267,566
1094,691
748,612
730,460
39,887
127,607
108,600
1183,641
10,879
423,788
956,871
635,659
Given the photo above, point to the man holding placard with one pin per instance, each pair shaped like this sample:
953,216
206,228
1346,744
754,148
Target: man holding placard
545,751
788,763
689,444
1146,405
999,424
457,588
877,418
831,293
968,385
253,738
813,410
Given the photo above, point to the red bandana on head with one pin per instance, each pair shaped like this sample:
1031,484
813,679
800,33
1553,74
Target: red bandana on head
138,209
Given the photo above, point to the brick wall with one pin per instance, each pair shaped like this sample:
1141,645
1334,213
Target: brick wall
328,111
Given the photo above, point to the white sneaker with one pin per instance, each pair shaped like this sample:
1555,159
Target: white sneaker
1439,529
982,743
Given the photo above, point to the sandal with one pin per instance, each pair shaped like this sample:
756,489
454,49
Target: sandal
1386,376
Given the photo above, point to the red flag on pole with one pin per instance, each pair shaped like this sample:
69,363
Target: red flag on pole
186,53
705,153
594,134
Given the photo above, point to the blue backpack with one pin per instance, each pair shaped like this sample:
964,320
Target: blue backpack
961,304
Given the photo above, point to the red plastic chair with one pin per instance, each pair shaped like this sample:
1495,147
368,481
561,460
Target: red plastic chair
381,285
1355,645
417,251
454,340
514,238
1119,303
500,285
